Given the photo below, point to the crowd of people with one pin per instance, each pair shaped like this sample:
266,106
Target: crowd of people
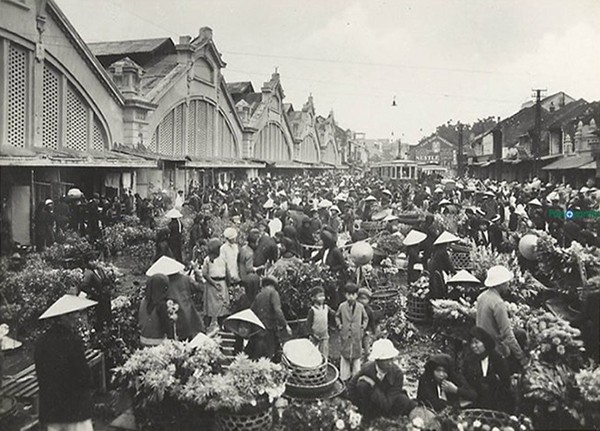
311,219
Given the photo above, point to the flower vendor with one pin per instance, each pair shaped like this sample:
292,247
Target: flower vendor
188,322
352,320
487,373
63,374
230,253
97,286
267,307
152,316
377,389
440,265
442,385
492,315
412,242
175,233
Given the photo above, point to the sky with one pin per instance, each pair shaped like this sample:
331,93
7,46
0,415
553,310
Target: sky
440,59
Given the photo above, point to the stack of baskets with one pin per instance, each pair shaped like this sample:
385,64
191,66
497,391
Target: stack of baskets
315,382
385,298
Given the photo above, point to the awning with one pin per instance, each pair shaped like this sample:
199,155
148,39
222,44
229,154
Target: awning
215,163
42,157
589,166
148,155
570,162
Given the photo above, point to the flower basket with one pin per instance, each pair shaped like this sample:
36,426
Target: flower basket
491,418
305,376
460,259
384,298
418,309
313,390
257,418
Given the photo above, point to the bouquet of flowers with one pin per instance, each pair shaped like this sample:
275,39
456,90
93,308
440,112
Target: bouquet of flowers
550,388
555,264
390,244
518,313
245,385
399,329
461,421
554,340
325,415
588,256
420,288
588,382
68,252
447,311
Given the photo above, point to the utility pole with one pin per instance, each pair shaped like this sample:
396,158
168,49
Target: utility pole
460,161
538,130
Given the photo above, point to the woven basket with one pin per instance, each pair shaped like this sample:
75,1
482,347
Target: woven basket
314,391
460,259
385,298
260,421
418,309
492,418
302,376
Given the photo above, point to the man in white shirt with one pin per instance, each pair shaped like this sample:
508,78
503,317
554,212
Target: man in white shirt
179,200
229,252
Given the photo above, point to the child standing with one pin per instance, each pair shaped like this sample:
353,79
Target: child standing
352,320
364,298
318,320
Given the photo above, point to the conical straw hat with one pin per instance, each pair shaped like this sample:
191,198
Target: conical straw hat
232,323
67,304
414,237
173,213
303,353
446,238
464,276
165,265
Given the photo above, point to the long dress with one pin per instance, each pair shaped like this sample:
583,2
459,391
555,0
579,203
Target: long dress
216,298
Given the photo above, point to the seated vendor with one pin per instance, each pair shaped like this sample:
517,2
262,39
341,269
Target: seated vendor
441,385
377,389
486,371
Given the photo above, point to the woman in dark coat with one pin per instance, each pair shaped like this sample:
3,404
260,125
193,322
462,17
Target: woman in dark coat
439,265
63,374
176,238
486,371
97,286
441,385
153,316
162,245
333,258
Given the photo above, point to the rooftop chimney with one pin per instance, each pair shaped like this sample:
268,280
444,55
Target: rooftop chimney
184,50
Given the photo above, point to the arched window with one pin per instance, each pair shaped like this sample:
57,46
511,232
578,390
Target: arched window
329,154
271,144
308,150
196,129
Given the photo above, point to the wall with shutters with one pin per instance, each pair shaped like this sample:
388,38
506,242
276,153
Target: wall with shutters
198,128
59,100
309,150
329,153
271,144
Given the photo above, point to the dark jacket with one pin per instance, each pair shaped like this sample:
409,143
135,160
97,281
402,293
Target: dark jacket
427,392
385,398
98,286
266,251
64,376
493,391
176,239
335,259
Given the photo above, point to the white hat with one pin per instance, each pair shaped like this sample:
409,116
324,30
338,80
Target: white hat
302,352
48,202
296,201
414,237
165,265
269,204
275,226
173,213
386,192
463,276
341,197
445,238
390,217
535,202
230,233
335,208
553,197
489,193
418,267
383,349
498,275
67,304
584,189
520,210
325,203
479,211
232,322
445,202
496,218
370,198
438,190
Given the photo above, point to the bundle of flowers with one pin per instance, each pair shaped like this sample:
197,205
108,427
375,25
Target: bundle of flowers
554,340
29,292
483,258
588,382
246,384
399,329
169,370
555,265
449,312
519,314
120,236
588,256
68,252
420,288
550,388
389,244
325,415
295,286
446,222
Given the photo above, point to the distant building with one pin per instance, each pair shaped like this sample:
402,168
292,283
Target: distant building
435,150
